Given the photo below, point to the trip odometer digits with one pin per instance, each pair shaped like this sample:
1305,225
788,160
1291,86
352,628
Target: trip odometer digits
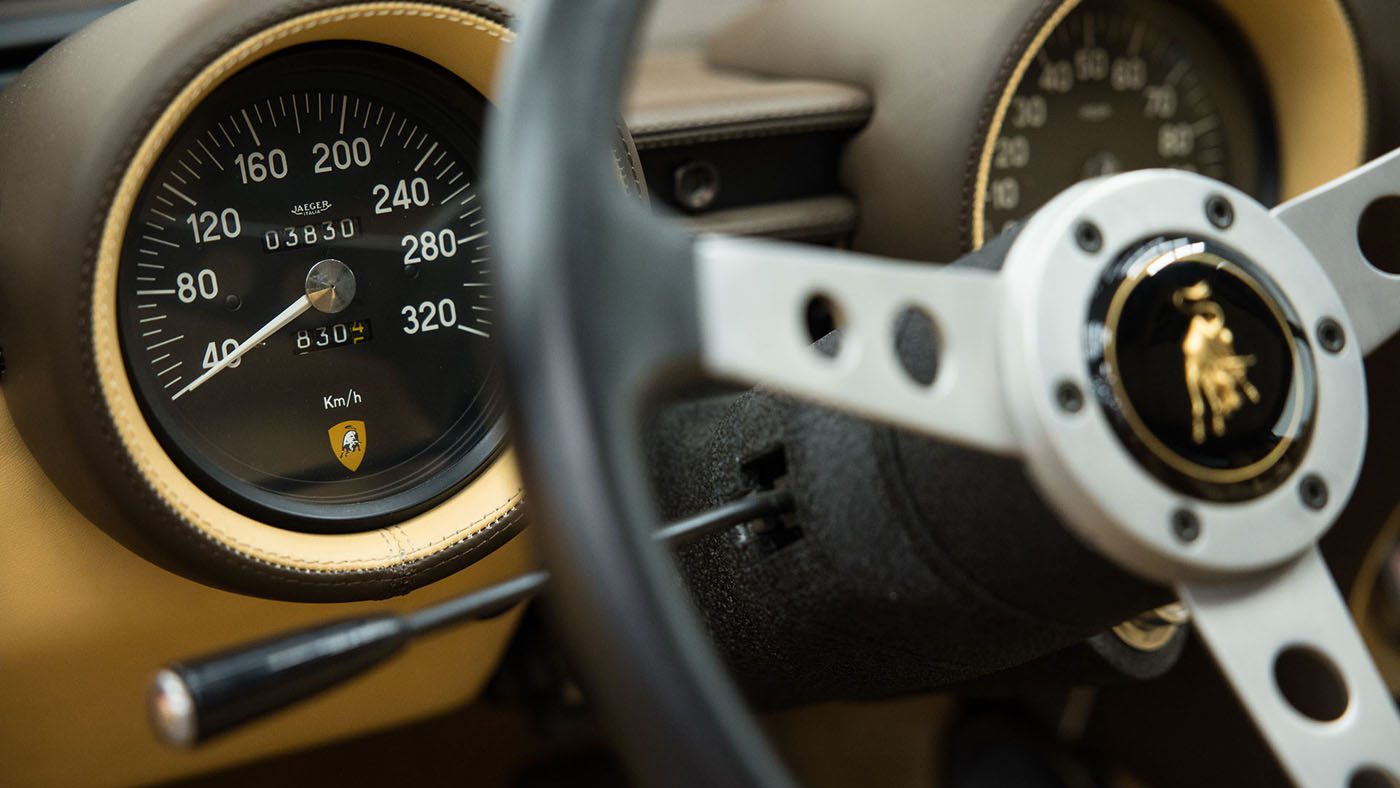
318,193
354,332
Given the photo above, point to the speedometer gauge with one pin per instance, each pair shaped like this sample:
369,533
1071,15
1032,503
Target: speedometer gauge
303,298
1123,85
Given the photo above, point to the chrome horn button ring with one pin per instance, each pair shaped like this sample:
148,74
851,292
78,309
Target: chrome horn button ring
1202,367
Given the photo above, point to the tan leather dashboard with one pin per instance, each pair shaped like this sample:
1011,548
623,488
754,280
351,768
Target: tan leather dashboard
83,623
676,96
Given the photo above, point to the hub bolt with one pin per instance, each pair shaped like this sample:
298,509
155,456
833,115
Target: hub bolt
1186,525
1313,490
1220,212
1069,397
1089,237
1330,335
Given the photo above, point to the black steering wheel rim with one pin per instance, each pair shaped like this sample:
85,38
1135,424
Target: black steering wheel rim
573,238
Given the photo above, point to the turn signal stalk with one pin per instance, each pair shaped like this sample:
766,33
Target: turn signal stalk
193,701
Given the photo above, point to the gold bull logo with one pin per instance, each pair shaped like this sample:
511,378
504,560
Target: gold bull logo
348,443
1217,378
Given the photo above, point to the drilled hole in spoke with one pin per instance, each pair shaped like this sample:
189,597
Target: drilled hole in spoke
1378,232
1311,683
916,345
823,320
1372,777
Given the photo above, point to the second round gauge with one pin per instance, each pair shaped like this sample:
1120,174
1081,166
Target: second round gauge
304,299
1123,85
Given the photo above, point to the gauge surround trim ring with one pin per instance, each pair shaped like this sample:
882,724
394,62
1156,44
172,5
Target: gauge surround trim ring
474,511
252,478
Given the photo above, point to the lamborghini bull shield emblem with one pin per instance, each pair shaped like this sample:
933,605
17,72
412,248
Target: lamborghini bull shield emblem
348,443
1217,378
1202,367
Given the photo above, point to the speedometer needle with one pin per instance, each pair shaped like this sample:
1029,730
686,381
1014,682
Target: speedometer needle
274,325
330,288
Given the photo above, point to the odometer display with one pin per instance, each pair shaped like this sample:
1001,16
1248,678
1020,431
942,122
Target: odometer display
301,236
304,302
1125,85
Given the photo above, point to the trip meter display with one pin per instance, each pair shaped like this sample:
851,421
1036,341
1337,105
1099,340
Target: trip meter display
1125,85
303,300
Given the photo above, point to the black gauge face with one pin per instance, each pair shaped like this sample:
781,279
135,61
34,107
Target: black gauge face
303,296
1130,85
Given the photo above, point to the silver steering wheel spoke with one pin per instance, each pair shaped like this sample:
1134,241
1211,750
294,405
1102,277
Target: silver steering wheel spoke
753,298
1286,643
1239,546
1327,221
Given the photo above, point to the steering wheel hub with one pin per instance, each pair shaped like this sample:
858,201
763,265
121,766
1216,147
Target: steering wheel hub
1201,365
1193,313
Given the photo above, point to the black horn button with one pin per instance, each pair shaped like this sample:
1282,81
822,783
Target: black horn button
1202,367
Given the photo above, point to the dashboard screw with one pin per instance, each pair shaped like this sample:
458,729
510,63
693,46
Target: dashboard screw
232,303
1088,236
696,185
1330,335
1186,525
1069,397
1220,212
1313,490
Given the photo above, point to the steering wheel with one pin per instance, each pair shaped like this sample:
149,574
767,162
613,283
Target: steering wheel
1055,347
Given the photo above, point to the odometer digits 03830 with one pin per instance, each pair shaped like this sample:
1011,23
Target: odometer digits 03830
304,302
